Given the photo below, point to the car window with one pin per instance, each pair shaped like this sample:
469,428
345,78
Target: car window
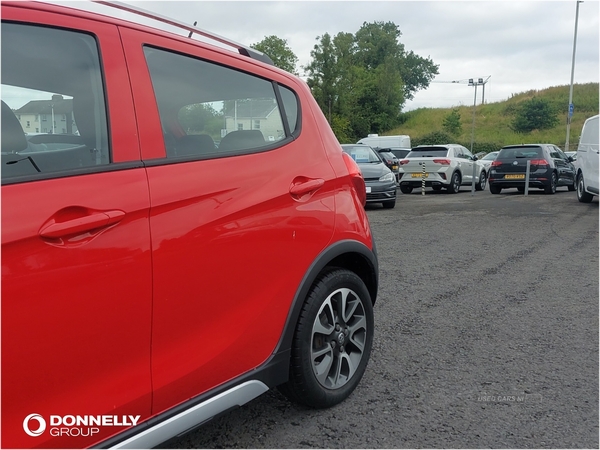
362,153
208,110
490,156
520,152
427,152
53,107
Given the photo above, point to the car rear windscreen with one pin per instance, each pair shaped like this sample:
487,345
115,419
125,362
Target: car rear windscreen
427,152
521,152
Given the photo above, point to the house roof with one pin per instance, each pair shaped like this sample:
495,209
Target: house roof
60,104
252,109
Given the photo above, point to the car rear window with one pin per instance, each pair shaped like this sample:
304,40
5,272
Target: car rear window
520,152
400,153
427,152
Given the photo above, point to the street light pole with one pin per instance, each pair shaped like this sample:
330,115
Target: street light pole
571,107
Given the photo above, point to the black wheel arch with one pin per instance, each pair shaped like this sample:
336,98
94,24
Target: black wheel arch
347,254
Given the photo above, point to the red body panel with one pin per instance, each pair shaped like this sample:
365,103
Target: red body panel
127,292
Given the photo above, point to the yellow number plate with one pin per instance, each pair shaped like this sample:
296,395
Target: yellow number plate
514,177
419,175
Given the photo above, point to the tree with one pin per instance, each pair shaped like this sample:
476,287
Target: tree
278,50
452,123
534,114
366,78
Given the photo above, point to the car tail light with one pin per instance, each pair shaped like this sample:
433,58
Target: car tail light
403,161
496,164
539,162
356,176
443,162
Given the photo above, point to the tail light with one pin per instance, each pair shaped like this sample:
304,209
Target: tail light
539,162
443,162
403,161
356,176
495,164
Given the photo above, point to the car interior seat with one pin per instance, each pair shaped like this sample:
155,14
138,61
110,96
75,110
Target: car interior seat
242,139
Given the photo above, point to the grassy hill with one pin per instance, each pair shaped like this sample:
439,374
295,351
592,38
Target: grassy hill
493,120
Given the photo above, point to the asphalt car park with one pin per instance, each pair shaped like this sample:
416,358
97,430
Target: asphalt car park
486,334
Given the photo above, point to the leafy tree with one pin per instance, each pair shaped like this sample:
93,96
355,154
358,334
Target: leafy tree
366,78
534,114
452,123
278,50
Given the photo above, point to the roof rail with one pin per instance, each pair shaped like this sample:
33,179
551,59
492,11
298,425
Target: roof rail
242,49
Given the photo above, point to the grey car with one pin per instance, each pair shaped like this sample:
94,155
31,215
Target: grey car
380,181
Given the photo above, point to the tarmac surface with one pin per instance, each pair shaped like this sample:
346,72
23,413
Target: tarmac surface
486,334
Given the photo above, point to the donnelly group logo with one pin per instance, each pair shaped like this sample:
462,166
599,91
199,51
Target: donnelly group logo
35,425
40,422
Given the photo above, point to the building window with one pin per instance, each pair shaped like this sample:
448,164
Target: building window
240,126
257,124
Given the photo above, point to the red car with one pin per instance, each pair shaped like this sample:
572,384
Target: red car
181,232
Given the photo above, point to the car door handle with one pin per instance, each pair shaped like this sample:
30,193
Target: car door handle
306,186
81,224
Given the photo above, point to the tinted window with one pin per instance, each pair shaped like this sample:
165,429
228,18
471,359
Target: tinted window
211,110
53,108
520,152
290,104
427,152
400,153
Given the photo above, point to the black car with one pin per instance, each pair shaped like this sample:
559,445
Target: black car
398,152
380,181
549,168
390,160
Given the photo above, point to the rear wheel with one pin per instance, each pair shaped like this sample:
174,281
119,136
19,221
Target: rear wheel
406,189
454,186
480,185
551,187
332,341
582,195
495,189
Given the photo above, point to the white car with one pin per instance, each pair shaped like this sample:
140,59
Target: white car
587,175
488,159
447,166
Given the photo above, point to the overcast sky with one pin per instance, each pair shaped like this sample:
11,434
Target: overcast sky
519,45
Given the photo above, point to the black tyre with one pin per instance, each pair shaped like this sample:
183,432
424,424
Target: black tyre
582,195
480,185
332,341
406,189
572,187
454,186
550,189
495,189
390,204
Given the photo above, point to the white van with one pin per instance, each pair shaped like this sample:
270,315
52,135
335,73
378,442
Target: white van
587,161
376,141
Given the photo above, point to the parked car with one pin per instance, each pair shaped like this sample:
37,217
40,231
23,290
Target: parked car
447,166
587,175
487,160
122,321
390,160
399,152
572,155
549,168
379,179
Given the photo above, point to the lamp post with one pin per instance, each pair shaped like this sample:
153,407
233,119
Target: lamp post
479,82
571,106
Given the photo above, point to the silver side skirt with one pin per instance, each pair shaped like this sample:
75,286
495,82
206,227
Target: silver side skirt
185,420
